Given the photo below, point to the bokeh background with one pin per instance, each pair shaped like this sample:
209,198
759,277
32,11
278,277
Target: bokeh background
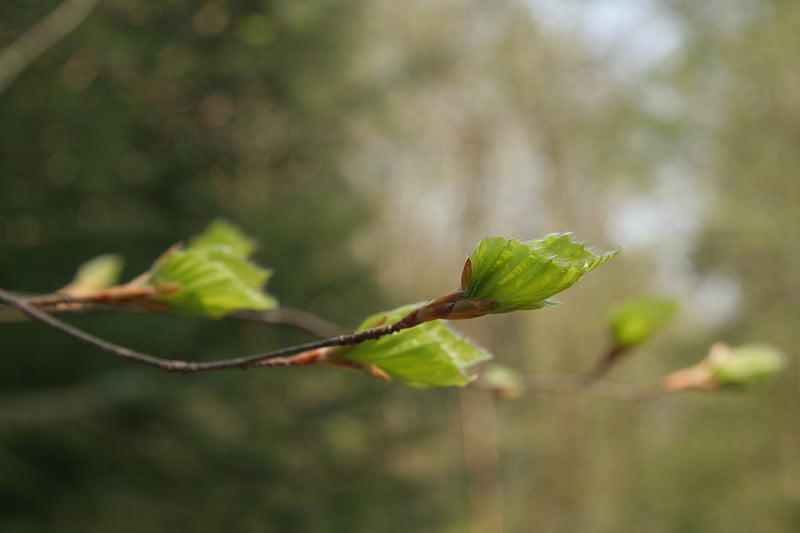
368,146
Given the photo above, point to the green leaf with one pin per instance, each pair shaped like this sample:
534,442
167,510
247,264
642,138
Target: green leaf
523,275
96,274
428,354
212,280
634,321
503,381
745,366
222,233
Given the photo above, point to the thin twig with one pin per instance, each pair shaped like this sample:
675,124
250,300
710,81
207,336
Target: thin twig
606,389
589,382
581,385
188,367
67,303
292,317
9,313
606,362
30,45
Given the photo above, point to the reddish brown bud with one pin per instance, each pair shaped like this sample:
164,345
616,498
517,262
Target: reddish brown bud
466,275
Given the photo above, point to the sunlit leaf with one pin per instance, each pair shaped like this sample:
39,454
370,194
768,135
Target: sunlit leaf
745,366
635,321
222,233
428,354
95,275
212,281
523,275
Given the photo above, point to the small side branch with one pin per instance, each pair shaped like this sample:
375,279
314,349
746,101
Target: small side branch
609,390
292,317
590,382
30,45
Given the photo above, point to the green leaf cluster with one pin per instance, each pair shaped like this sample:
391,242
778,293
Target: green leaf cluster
427,354
213,275
523,275
635,321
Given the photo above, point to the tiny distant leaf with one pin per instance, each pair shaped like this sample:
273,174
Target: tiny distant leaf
503,381
212,281
222,233
637,320
95,275
745,366
428,354
523,275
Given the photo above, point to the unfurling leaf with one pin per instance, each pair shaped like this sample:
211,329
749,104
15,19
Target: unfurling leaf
728,368
637,320
523,275
95,275
213,276
744,366
222,233
428,354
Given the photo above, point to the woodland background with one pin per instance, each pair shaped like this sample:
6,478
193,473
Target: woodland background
368,146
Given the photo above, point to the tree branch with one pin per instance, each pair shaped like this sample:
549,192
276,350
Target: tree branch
582,385
67,303
319,352
588,382
30,45
188,367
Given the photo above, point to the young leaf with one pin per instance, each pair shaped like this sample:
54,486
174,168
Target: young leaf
635,321
505,382
212,281
222,233
744,366
523,275
428,354
95,275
